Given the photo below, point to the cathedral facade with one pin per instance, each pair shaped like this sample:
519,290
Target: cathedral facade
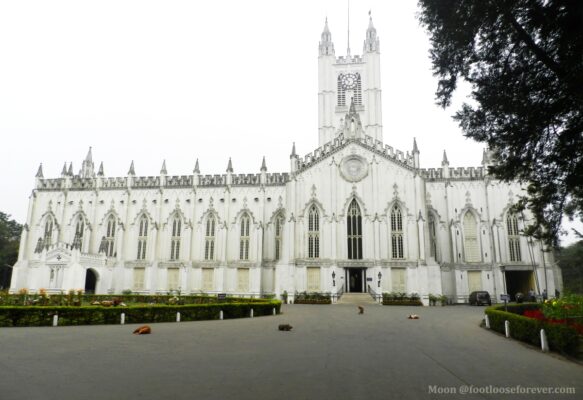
354,215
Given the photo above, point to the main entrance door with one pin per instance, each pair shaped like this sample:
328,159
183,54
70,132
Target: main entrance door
355,280
90,281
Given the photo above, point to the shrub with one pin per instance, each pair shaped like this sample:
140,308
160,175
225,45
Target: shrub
561,338
312,298
401,299
94,315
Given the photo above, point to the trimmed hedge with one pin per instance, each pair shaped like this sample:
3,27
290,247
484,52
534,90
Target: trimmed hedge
312,301
97,315
402,302
561,338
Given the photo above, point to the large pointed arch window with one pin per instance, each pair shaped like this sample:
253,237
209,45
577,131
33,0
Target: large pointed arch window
78,238
313,233
513,237
397,233
278,235
432,235
354,231
209,238
244,238
142,238
471,238
175,238
110,236
48,235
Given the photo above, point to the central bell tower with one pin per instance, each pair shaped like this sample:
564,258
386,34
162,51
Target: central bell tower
349,83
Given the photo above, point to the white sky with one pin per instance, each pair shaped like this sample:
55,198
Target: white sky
180,80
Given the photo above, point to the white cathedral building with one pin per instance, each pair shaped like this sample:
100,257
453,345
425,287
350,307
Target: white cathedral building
353,215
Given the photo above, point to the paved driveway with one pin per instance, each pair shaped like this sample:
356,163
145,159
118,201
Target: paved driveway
332,353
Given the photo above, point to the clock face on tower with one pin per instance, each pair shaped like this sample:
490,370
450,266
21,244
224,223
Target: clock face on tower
348,81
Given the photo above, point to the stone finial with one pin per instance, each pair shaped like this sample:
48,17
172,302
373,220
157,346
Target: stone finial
64,170
39,173
132,171
263,166
100,171
89,157
230,166
444,161
70,170
415,148
293,152
163,170
196,167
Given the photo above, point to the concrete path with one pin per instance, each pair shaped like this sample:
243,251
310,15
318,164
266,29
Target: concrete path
332,353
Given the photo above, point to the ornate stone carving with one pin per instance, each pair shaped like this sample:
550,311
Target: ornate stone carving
354,168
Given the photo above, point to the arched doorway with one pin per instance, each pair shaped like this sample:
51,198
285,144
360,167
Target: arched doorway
90,281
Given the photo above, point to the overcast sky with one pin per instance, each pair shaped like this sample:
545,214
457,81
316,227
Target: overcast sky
179,80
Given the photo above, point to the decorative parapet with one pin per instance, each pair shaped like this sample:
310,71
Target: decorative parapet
348,60
179,181
277,179
213,180
246,179
460,173
51,184
368,142
114,183
146,182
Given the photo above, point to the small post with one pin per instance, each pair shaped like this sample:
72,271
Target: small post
274,311
507,328
221,315
55,320
123,318
544,343
251,313
487,319
177,316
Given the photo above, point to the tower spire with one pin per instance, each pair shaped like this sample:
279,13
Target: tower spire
348,45
326,45
39,173
263,165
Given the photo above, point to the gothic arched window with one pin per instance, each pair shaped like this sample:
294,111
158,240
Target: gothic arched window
397,233
432,235
78,238
244,239
175,239
48,235
513,237
209,239
142,238
354,231
278,235
110,236
313,233
471,238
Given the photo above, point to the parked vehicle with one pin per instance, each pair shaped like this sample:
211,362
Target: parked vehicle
480,298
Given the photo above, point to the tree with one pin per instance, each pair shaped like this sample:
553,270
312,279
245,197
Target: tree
9,242
524,62
570,260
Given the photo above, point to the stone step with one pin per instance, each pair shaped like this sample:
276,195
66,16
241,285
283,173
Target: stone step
356,298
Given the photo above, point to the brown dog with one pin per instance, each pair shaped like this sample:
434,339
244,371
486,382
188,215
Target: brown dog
285,327
360,309
143,330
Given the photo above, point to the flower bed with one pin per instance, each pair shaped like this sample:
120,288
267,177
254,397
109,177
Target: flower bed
12,316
